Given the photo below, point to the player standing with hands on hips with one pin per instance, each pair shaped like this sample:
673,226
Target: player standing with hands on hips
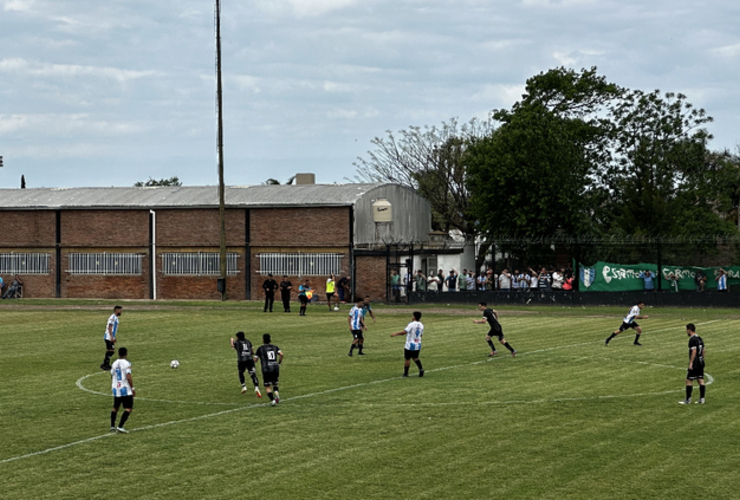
411,350
491,316
696,366
111,329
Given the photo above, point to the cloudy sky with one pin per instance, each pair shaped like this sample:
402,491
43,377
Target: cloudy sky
107,93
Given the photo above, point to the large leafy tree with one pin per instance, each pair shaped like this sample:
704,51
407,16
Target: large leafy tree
532,178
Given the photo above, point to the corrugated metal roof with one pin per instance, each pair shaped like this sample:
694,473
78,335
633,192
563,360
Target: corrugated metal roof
183,196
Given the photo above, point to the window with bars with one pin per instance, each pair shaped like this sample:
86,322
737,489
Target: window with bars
24,263
198,264
300,264
104,263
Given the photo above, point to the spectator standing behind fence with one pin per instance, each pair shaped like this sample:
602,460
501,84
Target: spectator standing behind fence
462,280
523,280
504,280
482,281
490,280
470,281
396,285
441,278
515,281
533,279
14,288
649,278
433,283
557,280
700,280
544,281
451,281
721,280
421,282
674,281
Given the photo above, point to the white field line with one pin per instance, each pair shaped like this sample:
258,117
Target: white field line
710,379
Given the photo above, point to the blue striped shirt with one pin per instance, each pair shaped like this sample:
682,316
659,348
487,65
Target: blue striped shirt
356,315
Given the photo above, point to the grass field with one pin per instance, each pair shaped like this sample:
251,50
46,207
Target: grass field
566,418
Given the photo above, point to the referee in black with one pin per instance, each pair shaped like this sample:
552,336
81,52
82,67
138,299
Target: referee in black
269,286
490,316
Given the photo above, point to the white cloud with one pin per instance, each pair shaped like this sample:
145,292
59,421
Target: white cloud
499,95
729,51
18,5
23,67
54,125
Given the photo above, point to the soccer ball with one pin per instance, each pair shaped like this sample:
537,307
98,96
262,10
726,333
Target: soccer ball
174,363
336,308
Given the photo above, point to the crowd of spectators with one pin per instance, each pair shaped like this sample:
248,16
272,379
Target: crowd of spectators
557,279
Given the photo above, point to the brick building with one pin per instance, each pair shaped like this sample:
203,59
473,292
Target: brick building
163,242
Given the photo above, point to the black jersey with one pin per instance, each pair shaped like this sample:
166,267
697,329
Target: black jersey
696,343
284,287
243,349
491,318
270,285
269,357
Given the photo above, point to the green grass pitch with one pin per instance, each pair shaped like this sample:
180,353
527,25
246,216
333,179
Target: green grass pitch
566,418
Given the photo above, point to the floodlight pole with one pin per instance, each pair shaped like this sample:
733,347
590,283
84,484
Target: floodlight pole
221,203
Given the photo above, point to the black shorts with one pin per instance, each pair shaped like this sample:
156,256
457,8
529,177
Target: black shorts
696,373
126,401
303,299
627,326
270,378
407,354
498,333
357,334
109,346
329,295
247,366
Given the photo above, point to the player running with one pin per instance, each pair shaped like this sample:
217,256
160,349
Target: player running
111,329
412,348
245,362
356,320
629,322
123,391
271,357
696,366
491,316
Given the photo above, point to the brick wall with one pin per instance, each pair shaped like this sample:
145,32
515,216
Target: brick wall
27,228
105,228
299,227
370,276
200,287
199,227
88,286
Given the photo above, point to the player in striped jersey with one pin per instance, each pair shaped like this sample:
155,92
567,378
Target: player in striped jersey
356,320
412,348
111,329
122,386
629,322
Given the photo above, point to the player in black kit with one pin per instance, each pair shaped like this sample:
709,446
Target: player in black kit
271,357
245,362
490,316
696,365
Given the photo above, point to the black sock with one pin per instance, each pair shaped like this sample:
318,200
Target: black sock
113,418
241,378
124,417
108,354
352,348
493,347
255,380
359,347
689,388
637,338
702,391
406,370
508,346
269,395
418,363
612,336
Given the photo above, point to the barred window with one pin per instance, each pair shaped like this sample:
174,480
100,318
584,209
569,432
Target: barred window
104,263
301,264
24,263
197,264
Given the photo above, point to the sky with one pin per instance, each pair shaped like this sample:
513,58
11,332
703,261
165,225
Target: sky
110,93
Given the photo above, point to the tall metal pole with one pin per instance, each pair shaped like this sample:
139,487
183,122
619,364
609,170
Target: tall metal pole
221,203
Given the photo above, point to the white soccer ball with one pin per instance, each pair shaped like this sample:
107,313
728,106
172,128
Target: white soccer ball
336,308
174,363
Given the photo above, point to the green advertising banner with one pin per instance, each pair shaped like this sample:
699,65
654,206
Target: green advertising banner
610,277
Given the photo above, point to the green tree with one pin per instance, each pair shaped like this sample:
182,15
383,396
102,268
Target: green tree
172,181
